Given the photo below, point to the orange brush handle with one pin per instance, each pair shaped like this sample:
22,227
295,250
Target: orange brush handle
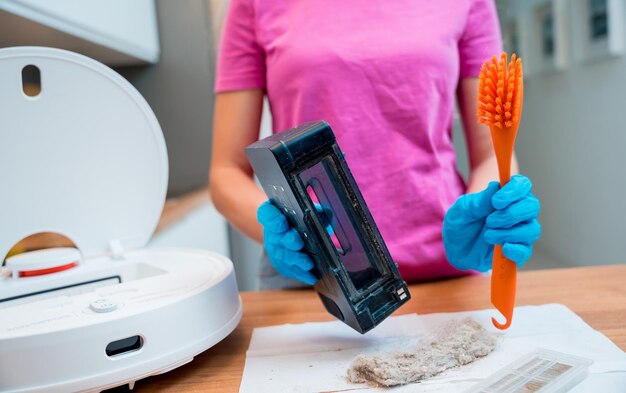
504,271
503,283
500,98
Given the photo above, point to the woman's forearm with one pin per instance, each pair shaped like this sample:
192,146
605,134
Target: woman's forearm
233,191
237,197
486,171
482,158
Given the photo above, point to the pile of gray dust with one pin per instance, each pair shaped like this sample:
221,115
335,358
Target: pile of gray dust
459,343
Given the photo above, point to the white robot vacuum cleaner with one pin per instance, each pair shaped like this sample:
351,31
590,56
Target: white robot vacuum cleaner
83,156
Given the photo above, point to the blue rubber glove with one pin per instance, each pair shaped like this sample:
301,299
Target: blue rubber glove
476,222
283,245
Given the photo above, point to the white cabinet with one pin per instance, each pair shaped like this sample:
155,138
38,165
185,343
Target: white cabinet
115,32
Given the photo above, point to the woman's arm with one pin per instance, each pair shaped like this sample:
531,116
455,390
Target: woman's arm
233,191
482,159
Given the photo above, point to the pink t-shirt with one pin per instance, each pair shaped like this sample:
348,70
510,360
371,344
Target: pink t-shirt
384,75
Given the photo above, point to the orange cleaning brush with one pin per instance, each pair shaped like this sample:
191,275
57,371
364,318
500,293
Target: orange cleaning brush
500,96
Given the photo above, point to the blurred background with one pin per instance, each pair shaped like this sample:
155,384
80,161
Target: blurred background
570,143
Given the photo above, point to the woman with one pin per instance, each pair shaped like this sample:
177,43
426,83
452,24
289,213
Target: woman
385,75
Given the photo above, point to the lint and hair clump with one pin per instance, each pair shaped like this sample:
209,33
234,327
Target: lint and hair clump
461,342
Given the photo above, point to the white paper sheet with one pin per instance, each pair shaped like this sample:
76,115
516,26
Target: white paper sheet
314,357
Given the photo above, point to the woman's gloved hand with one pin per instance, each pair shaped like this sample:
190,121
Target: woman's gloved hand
505,216
283,245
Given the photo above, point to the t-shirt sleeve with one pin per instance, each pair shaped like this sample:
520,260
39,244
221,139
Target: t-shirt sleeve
481,37
241,59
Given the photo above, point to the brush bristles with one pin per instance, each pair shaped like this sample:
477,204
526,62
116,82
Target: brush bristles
500,90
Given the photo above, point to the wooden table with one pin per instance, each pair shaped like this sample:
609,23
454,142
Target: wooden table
597,294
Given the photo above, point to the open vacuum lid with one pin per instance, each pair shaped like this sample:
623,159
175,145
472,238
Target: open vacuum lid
82,153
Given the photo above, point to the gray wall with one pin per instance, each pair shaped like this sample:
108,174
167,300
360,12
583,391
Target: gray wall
571,145
180,89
